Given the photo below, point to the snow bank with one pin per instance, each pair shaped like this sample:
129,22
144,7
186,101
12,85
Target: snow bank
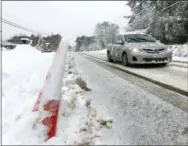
103,51
24,71
22,57
180,52
3,49
77,117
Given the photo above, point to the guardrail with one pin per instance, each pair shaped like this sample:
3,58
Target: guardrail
48,100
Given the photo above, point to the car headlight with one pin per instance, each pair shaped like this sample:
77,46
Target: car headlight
133,49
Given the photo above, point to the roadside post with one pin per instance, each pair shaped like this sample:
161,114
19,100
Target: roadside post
48,100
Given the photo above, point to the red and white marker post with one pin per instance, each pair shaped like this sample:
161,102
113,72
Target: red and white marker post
48,101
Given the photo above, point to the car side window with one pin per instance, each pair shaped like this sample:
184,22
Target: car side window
119,39
126,39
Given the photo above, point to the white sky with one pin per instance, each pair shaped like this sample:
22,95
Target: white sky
69,18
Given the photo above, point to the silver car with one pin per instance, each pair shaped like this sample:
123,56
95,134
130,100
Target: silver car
138,49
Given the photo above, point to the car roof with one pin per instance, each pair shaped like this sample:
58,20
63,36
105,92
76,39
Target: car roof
138,32
134,34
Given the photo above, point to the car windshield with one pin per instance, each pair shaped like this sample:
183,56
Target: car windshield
137,38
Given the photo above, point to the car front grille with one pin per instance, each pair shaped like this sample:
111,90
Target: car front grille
153,51
155,59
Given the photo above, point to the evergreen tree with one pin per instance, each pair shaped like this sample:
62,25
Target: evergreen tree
165,20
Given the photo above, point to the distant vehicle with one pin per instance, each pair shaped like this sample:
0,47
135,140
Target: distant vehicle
26,41
138,49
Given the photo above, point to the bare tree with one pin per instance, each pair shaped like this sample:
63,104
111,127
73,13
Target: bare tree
105,32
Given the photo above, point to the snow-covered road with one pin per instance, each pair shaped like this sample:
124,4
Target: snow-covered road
171,75
139,116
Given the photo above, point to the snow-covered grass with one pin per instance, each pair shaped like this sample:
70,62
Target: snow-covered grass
24,70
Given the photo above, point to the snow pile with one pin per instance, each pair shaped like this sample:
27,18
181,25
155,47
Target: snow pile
103,51
78,122
3,49
180,52
22,57
24,71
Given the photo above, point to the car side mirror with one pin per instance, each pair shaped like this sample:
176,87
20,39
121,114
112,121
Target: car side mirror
120,43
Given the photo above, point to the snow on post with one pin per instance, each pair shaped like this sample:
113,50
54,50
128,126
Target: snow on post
49,97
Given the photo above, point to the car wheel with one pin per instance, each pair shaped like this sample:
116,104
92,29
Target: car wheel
125,60
109,57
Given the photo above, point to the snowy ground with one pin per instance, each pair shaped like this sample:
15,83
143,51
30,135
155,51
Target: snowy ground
138,116
23,72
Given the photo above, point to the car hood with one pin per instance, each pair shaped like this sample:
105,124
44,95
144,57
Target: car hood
147,45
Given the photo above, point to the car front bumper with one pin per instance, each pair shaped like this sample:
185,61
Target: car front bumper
146,58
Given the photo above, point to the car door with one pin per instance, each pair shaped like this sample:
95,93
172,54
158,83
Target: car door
110,49
114,49
119,47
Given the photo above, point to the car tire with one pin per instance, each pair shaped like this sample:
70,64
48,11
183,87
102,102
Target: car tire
109,57
124,60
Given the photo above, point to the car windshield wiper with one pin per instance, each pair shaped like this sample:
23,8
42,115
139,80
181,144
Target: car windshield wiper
134,40
145,40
